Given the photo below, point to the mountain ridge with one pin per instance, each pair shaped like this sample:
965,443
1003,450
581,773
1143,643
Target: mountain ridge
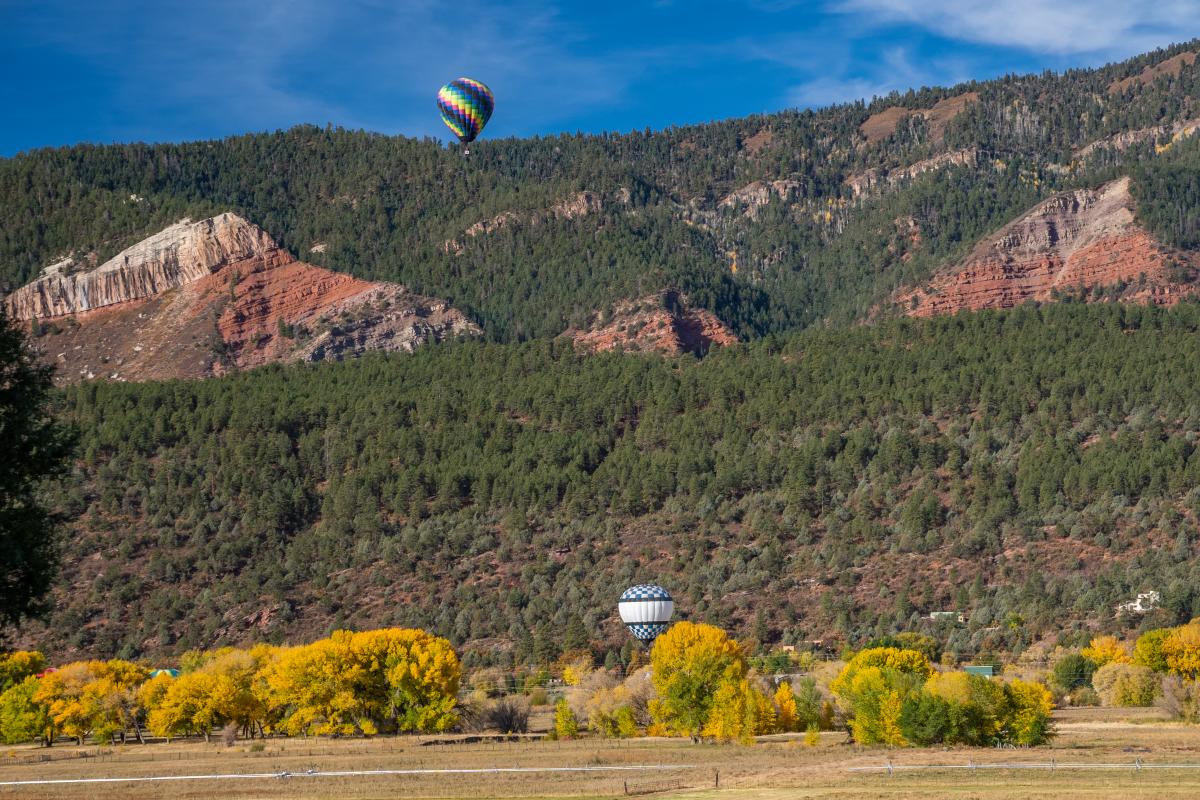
206,297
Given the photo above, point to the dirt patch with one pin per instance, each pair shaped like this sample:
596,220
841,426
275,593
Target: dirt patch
883,124
754,145
1172,66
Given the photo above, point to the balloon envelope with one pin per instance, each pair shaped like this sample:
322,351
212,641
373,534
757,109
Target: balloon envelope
646,610
466,105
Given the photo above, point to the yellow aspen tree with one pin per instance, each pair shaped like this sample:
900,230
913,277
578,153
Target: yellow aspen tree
1107,650
15,667
71,710
786,713
691,662
1182,651
566,726
113,695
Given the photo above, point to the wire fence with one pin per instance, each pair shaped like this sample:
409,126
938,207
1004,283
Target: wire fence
1136,765
316,773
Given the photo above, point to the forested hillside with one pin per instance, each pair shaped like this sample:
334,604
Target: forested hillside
824,480
1031,468
827,211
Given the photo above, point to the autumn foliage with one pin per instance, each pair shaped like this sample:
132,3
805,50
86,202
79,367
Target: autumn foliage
383,681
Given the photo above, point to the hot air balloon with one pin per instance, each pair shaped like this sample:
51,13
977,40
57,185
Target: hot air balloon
646,610
466,105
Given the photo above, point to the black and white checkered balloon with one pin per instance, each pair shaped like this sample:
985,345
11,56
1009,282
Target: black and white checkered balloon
646,610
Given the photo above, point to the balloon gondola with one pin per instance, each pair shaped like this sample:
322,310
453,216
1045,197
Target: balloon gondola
466,105
646,610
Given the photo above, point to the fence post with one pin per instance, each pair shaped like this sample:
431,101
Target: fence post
716,779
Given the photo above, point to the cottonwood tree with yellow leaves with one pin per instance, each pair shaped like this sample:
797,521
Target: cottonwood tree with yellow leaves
379,681
95,698
893,697
701,679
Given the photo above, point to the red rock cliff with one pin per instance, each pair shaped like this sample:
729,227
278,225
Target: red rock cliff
1082,239
203,298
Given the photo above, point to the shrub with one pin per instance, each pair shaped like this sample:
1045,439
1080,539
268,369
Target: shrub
1148,649
1126,685
565,724
1073,671
1107,650
1180,699
508,715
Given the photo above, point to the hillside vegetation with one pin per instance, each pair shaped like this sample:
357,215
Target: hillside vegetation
1031,468
665,209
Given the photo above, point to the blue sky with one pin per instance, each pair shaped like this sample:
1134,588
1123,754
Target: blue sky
162,70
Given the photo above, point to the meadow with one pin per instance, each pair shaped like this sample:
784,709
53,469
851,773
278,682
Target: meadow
774,767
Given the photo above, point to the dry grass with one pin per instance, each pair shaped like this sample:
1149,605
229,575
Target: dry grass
775,768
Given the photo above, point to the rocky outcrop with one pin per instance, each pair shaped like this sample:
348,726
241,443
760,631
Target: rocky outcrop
1079,240
1126,139
874,179
579,205
753,196
205,298
178,255
662,323
574,207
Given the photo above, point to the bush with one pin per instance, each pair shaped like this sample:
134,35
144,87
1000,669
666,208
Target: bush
1073,671
565,724
1180,699
1126,685
1148,649
507,715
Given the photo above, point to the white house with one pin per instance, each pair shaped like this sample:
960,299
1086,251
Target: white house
1146,601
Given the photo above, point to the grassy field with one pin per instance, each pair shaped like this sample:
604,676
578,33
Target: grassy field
776,767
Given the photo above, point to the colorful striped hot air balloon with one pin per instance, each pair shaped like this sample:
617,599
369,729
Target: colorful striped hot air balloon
466,105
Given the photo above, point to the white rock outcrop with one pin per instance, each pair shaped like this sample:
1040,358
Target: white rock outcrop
180,254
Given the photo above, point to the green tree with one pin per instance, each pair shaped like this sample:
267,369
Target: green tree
22,718
35,447
1072,671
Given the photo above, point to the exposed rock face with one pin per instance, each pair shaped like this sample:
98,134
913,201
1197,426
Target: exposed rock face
1126,139
1082,239
753,196
573,207
578,206
203,298
180,254
662,323
875,179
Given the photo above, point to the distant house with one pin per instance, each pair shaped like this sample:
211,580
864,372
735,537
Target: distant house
947,616
1146,601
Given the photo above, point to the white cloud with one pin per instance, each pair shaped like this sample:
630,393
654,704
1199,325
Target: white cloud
1058,27
895,70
